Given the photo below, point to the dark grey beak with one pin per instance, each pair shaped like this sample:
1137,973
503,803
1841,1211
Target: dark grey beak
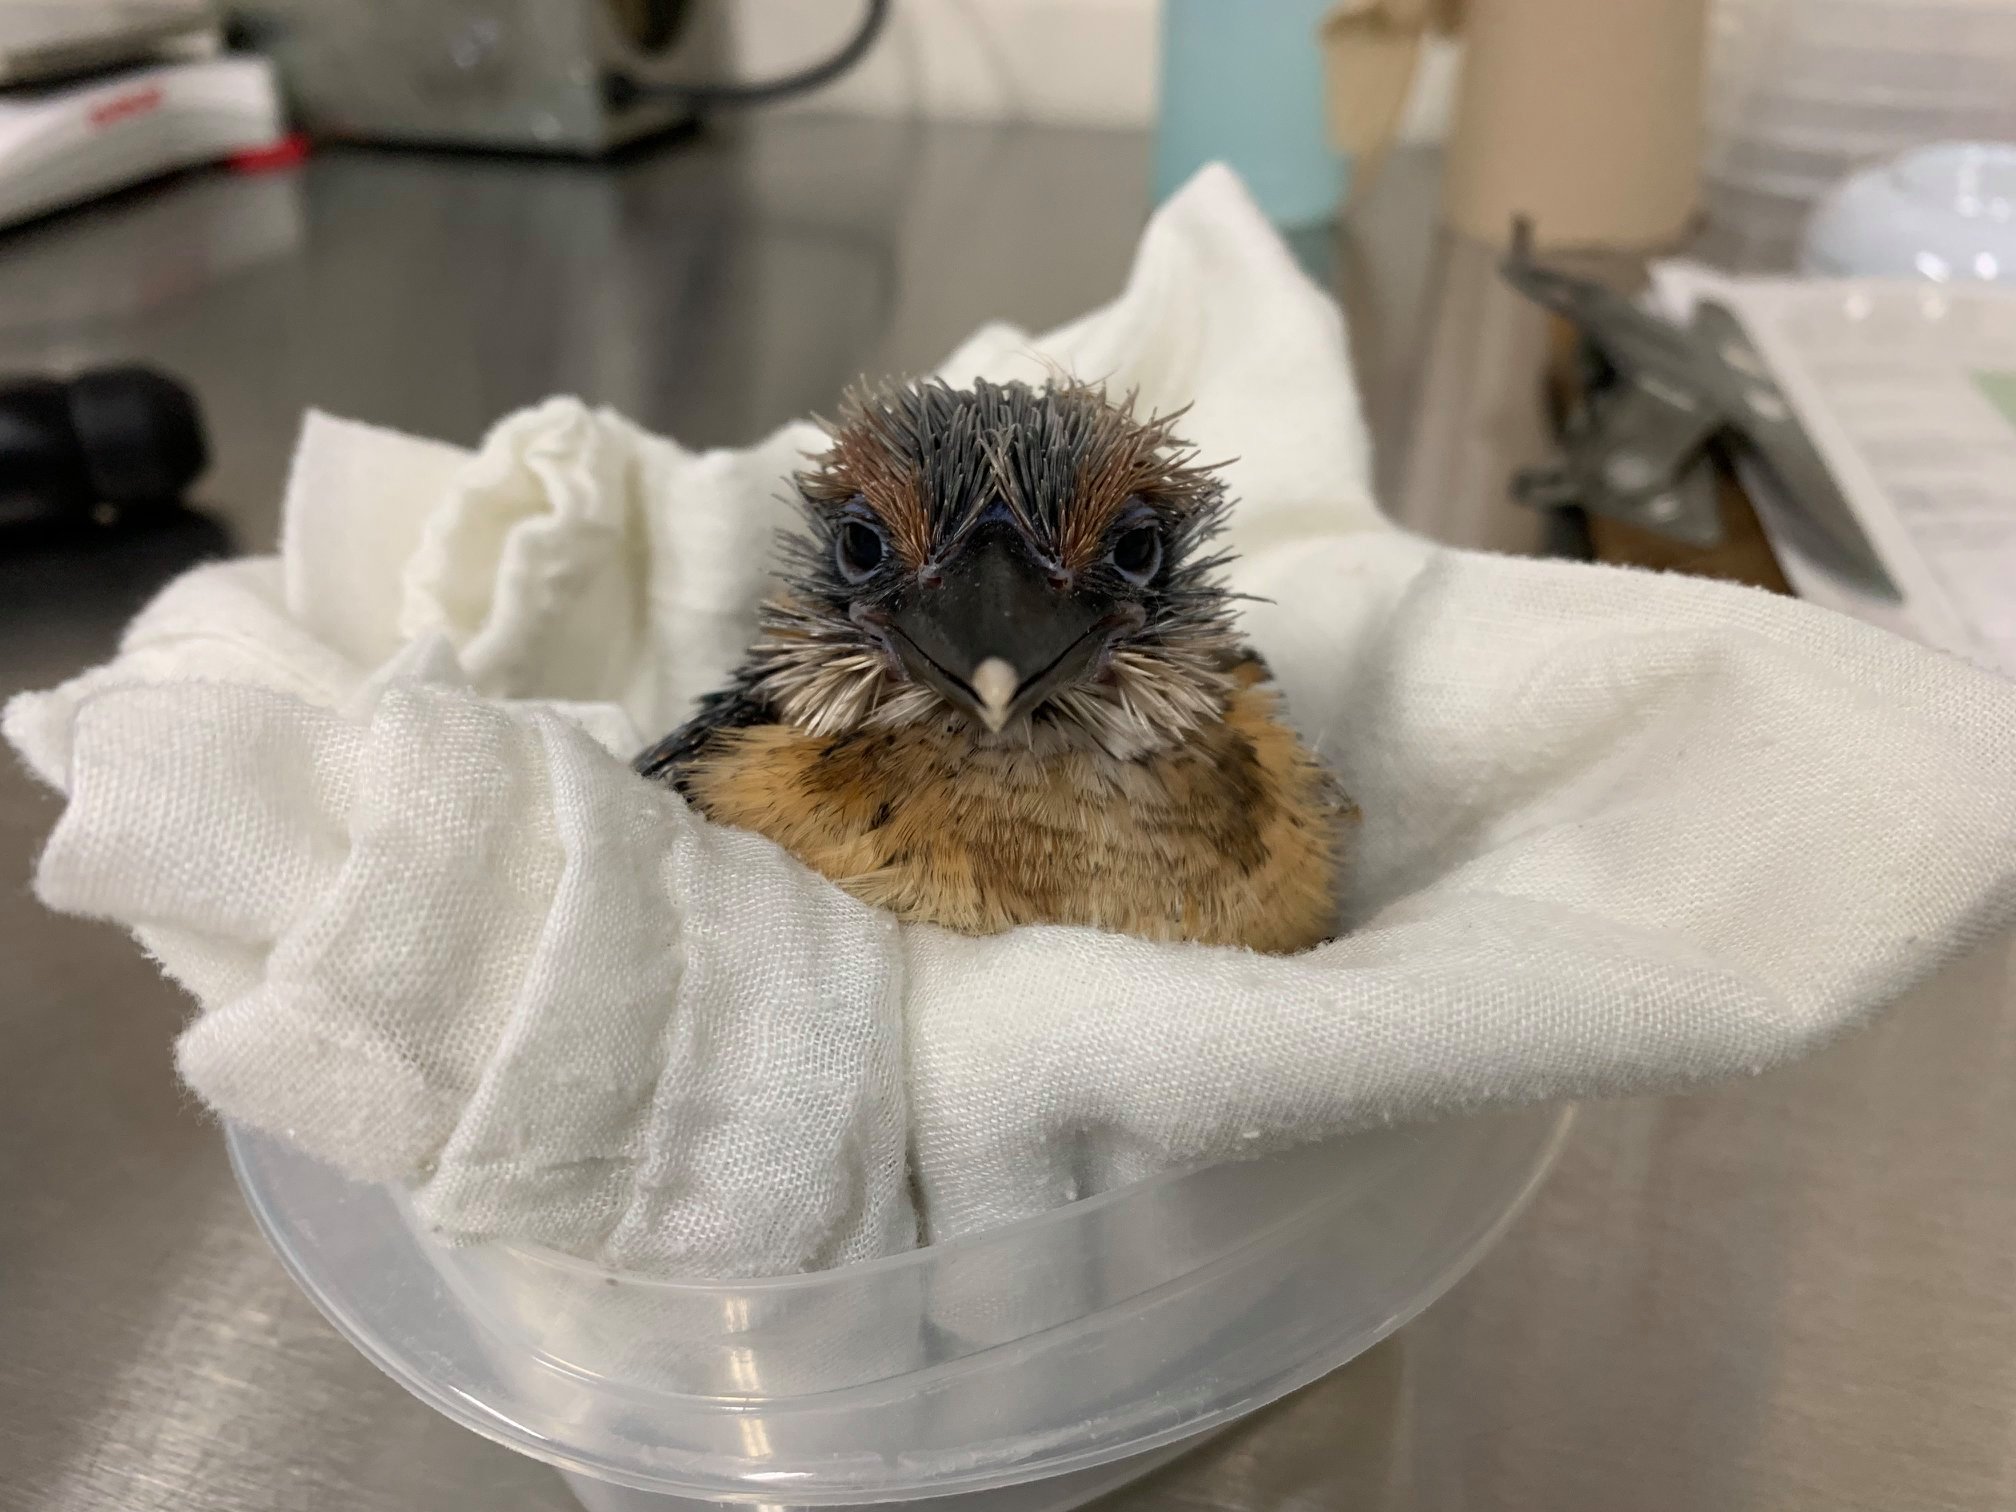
996,635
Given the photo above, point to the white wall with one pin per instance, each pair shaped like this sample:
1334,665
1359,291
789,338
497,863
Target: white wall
1069,62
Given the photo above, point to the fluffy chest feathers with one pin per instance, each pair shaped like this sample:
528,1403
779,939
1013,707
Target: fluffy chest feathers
1232,837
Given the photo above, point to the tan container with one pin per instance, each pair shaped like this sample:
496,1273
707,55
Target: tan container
1584,115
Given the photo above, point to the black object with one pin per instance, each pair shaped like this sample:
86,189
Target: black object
100,446
667,17
652,25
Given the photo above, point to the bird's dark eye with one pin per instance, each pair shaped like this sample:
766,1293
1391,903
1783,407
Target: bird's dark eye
858,549
1137,554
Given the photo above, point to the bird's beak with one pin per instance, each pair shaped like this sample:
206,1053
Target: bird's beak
996,682
997,636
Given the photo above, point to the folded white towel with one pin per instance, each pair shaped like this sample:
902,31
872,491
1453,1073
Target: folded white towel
1622,832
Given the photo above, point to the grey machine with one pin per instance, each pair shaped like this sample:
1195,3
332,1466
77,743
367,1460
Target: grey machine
564,76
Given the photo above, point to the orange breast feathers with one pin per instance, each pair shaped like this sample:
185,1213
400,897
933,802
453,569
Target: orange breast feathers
1235,837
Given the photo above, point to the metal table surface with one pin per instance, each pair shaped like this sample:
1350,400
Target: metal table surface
1798,1292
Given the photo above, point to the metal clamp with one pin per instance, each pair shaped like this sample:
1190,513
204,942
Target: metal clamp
1661,405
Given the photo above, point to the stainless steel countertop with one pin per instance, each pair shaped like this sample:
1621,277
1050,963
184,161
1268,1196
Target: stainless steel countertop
1797,1292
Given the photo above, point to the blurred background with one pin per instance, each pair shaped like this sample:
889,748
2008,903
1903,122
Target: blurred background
711,214
1759,326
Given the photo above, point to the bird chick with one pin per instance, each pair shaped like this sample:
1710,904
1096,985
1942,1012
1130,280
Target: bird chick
1002,685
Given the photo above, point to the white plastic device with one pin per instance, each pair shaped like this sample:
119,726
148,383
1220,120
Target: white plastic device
1945,212
63,144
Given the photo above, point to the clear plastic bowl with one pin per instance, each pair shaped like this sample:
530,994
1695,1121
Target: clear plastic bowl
1804,92
1024,1370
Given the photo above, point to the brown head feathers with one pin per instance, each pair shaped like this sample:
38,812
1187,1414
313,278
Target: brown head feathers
930,460
929,493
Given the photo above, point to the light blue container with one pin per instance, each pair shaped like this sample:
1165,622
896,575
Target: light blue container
1242,83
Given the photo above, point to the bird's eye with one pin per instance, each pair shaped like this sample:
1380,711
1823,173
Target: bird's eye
858,549
1137,554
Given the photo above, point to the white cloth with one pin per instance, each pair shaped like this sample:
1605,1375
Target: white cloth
1622,832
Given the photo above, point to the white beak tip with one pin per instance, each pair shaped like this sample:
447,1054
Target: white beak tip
995,682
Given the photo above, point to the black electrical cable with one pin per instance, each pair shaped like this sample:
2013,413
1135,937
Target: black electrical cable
624,88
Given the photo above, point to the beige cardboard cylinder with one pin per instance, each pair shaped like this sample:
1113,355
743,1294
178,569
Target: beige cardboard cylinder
1584,115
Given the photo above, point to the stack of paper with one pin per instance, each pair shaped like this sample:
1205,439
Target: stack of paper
1908,390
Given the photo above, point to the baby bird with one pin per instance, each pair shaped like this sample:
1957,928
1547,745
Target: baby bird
1002,685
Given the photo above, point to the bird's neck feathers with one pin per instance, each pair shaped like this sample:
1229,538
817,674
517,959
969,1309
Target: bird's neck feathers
813,666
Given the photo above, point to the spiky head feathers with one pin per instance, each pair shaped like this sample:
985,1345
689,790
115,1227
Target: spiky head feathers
1042,541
